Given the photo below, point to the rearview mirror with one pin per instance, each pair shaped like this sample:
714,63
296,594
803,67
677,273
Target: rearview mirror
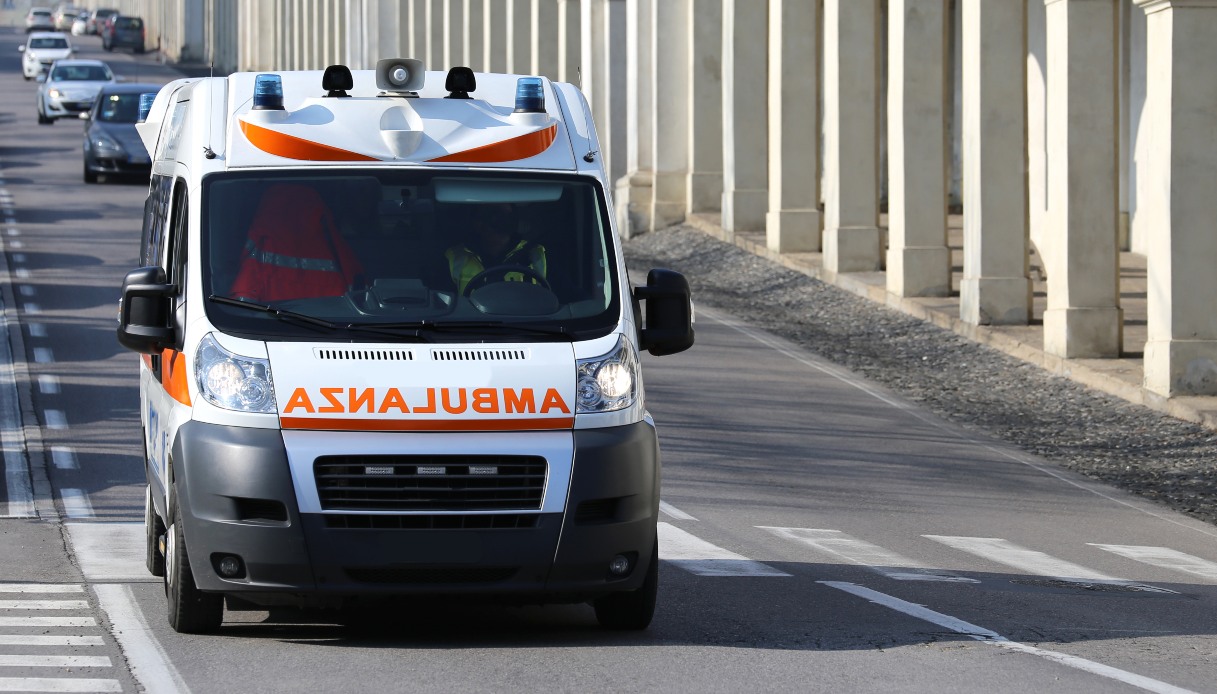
669,313
144,311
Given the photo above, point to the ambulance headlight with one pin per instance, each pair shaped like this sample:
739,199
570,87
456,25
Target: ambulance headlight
610,382
231,381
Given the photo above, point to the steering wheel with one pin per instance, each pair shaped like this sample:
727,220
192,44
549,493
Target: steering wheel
495,274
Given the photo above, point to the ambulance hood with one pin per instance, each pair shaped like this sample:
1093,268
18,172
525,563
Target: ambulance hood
509,387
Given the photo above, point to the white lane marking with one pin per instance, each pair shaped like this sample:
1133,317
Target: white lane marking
16,244
110,551
58,684
13,232
37,330
150,665
64,458
886,562
55,419
76,503
44,604
48,384
1034,562
41,588
22,273
33,309
18,257
6,621
65,640
699,557
1166,558
28,290
986,636
674,512
44,355
55,661
12,437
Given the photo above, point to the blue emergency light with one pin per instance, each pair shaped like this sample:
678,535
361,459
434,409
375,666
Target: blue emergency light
268,93
530,96
145,105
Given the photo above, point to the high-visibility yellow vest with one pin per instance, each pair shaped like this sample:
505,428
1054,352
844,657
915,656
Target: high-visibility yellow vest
464,264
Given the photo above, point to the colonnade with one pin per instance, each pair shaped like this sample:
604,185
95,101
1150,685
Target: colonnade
1078,127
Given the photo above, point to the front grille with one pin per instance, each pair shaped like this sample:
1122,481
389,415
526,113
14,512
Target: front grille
429,482
495,521
443,574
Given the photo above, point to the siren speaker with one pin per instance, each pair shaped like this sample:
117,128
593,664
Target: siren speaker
400,74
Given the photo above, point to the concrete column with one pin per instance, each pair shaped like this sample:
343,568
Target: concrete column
1083,318
495,38
595,69
570,20
852,242
669,125
918,259
1181,109
436,39
995,289
545,29
475,30
792,223
619,136
745,115
418,30
634,190
454,31
703,72
1037,125
519,37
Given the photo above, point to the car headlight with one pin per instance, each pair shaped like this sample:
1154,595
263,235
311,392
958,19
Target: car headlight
55,94
103,142
609,382
231,381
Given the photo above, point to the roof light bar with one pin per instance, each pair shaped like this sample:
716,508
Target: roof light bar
268,93
530,95
145,105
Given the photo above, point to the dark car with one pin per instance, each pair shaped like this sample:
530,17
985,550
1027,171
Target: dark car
97,18
111,146
122,31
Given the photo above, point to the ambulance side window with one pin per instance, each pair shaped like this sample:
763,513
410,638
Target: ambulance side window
156,209
175,235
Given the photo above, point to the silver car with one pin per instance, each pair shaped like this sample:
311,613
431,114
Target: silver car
40,50
69,88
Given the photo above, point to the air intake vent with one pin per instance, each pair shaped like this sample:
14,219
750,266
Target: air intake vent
364,354
479,354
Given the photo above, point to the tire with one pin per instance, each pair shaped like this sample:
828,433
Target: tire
43,120
631,611
191,611
154,527
91,177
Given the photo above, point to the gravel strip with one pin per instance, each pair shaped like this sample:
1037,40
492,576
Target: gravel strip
1104,438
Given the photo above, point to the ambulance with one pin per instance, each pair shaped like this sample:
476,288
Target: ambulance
390,349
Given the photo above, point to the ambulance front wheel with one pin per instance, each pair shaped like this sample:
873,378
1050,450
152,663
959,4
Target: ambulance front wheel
154,528
631,611
191,611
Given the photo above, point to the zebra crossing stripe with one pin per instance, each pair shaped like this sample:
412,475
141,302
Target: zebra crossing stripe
58,684
41,588
699,557
1033,562
863,553
6,621
55,661
49,640
44,605
1166,558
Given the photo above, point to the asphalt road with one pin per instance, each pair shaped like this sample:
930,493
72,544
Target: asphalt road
818,534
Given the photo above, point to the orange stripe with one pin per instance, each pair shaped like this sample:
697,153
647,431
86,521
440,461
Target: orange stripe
174,377
521,147
291,147
548,423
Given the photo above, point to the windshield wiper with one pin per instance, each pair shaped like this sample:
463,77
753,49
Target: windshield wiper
487,327
281,314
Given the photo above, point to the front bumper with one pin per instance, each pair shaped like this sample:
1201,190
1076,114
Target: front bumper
118,164
227,475
62,108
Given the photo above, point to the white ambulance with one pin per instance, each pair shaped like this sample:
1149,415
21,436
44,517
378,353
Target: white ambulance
390,347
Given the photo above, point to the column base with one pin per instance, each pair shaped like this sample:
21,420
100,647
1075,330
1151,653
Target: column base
705,191
793,231
995,300
744,210
919,271
634,196
1181,367
1084,333
853,249
668,199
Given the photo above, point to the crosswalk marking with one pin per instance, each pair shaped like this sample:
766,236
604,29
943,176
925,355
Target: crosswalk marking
55,661
1166,558
41,588
699,557
44,605
76,503
1033,562
58,684
861,552
6,621
32,597
52,640
674,512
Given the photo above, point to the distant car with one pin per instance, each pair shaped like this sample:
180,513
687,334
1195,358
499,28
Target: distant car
123,31
41,49
97,18
111,145
64,16
70,87
80,25
39,19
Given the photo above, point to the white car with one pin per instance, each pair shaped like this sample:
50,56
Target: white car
69,88
39,19
80,25
41,49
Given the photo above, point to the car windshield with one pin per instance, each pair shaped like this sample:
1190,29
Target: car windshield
378,254
48,43
45,14
128,23
118,108
80,73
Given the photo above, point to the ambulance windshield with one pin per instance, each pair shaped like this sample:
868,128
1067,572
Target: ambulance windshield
378,254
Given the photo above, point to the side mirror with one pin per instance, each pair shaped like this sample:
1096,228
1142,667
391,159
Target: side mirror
144,311
669,313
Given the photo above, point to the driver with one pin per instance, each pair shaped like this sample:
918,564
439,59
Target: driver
493,242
